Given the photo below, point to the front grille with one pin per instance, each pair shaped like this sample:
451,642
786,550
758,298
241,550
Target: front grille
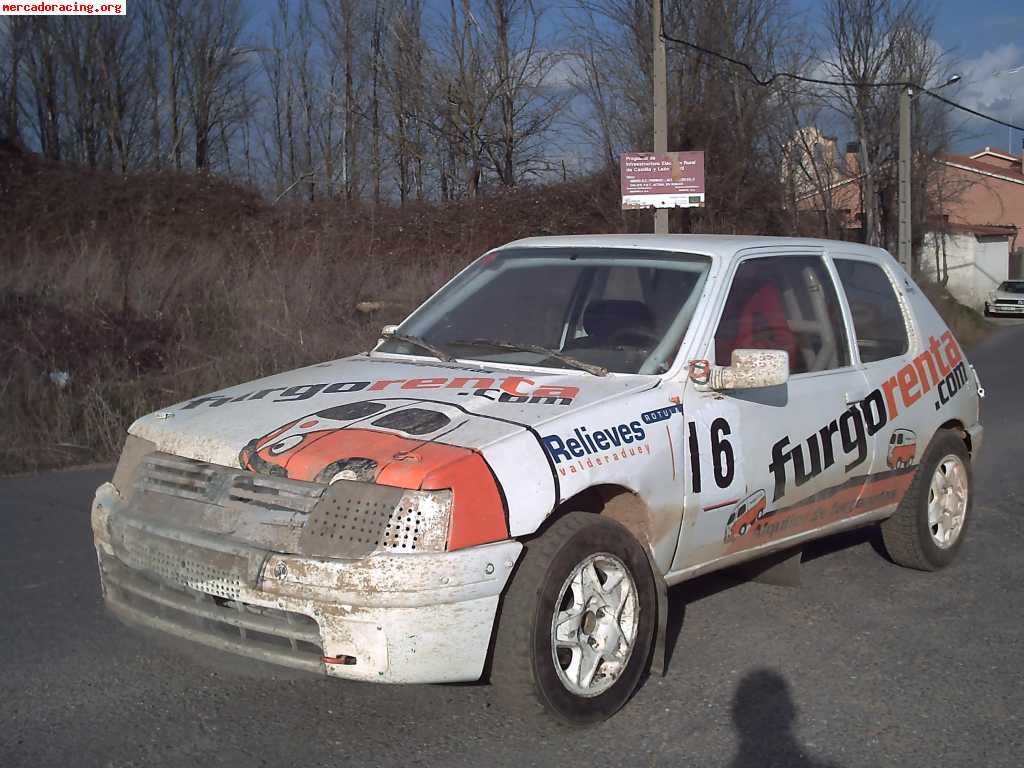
224,486
248,489
267,634
353,520
180,569
1012,302
175,476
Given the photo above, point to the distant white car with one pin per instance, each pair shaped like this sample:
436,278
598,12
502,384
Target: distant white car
1007,299
518,472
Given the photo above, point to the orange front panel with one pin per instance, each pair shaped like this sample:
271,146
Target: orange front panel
478,512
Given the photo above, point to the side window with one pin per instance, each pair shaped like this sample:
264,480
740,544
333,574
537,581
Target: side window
877,317
784,302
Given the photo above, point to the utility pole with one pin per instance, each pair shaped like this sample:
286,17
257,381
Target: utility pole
903,254
660,106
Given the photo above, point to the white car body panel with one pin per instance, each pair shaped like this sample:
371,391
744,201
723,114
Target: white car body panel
548,436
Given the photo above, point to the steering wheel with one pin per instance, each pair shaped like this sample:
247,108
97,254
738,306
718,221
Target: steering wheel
640,338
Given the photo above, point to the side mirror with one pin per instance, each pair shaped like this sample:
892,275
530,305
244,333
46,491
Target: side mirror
751,369
386,331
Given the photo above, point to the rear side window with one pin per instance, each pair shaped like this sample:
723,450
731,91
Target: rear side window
877,317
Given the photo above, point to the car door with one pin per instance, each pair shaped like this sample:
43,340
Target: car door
772,463
897,376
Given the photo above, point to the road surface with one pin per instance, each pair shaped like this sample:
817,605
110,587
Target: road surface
867,664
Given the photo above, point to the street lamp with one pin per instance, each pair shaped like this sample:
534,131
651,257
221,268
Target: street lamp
906,94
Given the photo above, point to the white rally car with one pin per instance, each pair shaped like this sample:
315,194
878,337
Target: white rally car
514,476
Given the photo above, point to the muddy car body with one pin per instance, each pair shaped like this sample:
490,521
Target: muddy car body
564,430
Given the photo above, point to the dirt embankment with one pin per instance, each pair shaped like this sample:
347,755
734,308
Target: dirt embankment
120,294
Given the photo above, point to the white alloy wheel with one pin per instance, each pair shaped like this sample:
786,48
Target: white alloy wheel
947,501
594,627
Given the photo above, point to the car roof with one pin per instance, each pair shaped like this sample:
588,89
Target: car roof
724,246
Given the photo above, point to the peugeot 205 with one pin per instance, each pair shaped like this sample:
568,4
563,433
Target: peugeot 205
513,477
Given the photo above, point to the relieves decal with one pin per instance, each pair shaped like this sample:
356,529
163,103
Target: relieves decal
510,389
590,448
939,367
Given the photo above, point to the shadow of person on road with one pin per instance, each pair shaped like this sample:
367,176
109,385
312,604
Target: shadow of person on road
764,713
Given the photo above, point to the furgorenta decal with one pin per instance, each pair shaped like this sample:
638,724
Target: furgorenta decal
902,449
509,389
851,498
589,448
751,510
938,367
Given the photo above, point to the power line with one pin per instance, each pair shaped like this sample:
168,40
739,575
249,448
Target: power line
776,75
767,81
944,100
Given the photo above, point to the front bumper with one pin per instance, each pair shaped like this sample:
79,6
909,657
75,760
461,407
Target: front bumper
1005,309
398,618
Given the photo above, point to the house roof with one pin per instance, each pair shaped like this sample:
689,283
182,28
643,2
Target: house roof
997,230
989,152
970,163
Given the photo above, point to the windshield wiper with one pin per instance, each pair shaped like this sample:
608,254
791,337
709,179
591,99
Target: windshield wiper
416,341
596,370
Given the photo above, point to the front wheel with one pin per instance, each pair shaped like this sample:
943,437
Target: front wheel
577,623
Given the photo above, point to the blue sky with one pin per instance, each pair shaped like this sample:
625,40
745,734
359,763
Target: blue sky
983,39
987,36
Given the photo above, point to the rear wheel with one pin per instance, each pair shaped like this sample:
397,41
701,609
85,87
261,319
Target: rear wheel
929,525
577,623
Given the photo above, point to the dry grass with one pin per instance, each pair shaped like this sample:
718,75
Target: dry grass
150,289
968,325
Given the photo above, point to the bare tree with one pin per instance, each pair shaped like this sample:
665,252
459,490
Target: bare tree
46,91
526,104
860,34
13,32
343,32
215,70
406,84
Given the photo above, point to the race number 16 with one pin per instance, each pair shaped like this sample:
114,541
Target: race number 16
719,448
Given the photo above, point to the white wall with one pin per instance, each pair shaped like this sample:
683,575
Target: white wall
976,265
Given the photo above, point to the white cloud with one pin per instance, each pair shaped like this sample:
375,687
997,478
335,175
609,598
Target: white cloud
993,83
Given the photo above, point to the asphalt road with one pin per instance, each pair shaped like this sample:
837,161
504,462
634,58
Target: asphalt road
867,664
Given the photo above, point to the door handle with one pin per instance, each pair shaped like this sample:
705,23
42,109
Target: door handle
852,398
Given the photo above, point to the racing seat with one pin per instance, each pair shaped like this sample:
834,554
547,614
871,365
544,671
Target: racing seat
760,324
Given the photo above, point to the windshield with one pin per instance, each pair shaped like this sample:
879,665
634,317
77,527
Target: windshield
1012,286
621,309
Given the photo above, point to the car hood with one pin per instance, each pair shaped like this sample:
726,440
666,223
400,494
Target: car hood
415,401
1008,295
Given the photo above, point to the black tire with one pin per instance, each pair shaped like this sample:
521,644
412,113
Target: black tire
907,534
522,665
